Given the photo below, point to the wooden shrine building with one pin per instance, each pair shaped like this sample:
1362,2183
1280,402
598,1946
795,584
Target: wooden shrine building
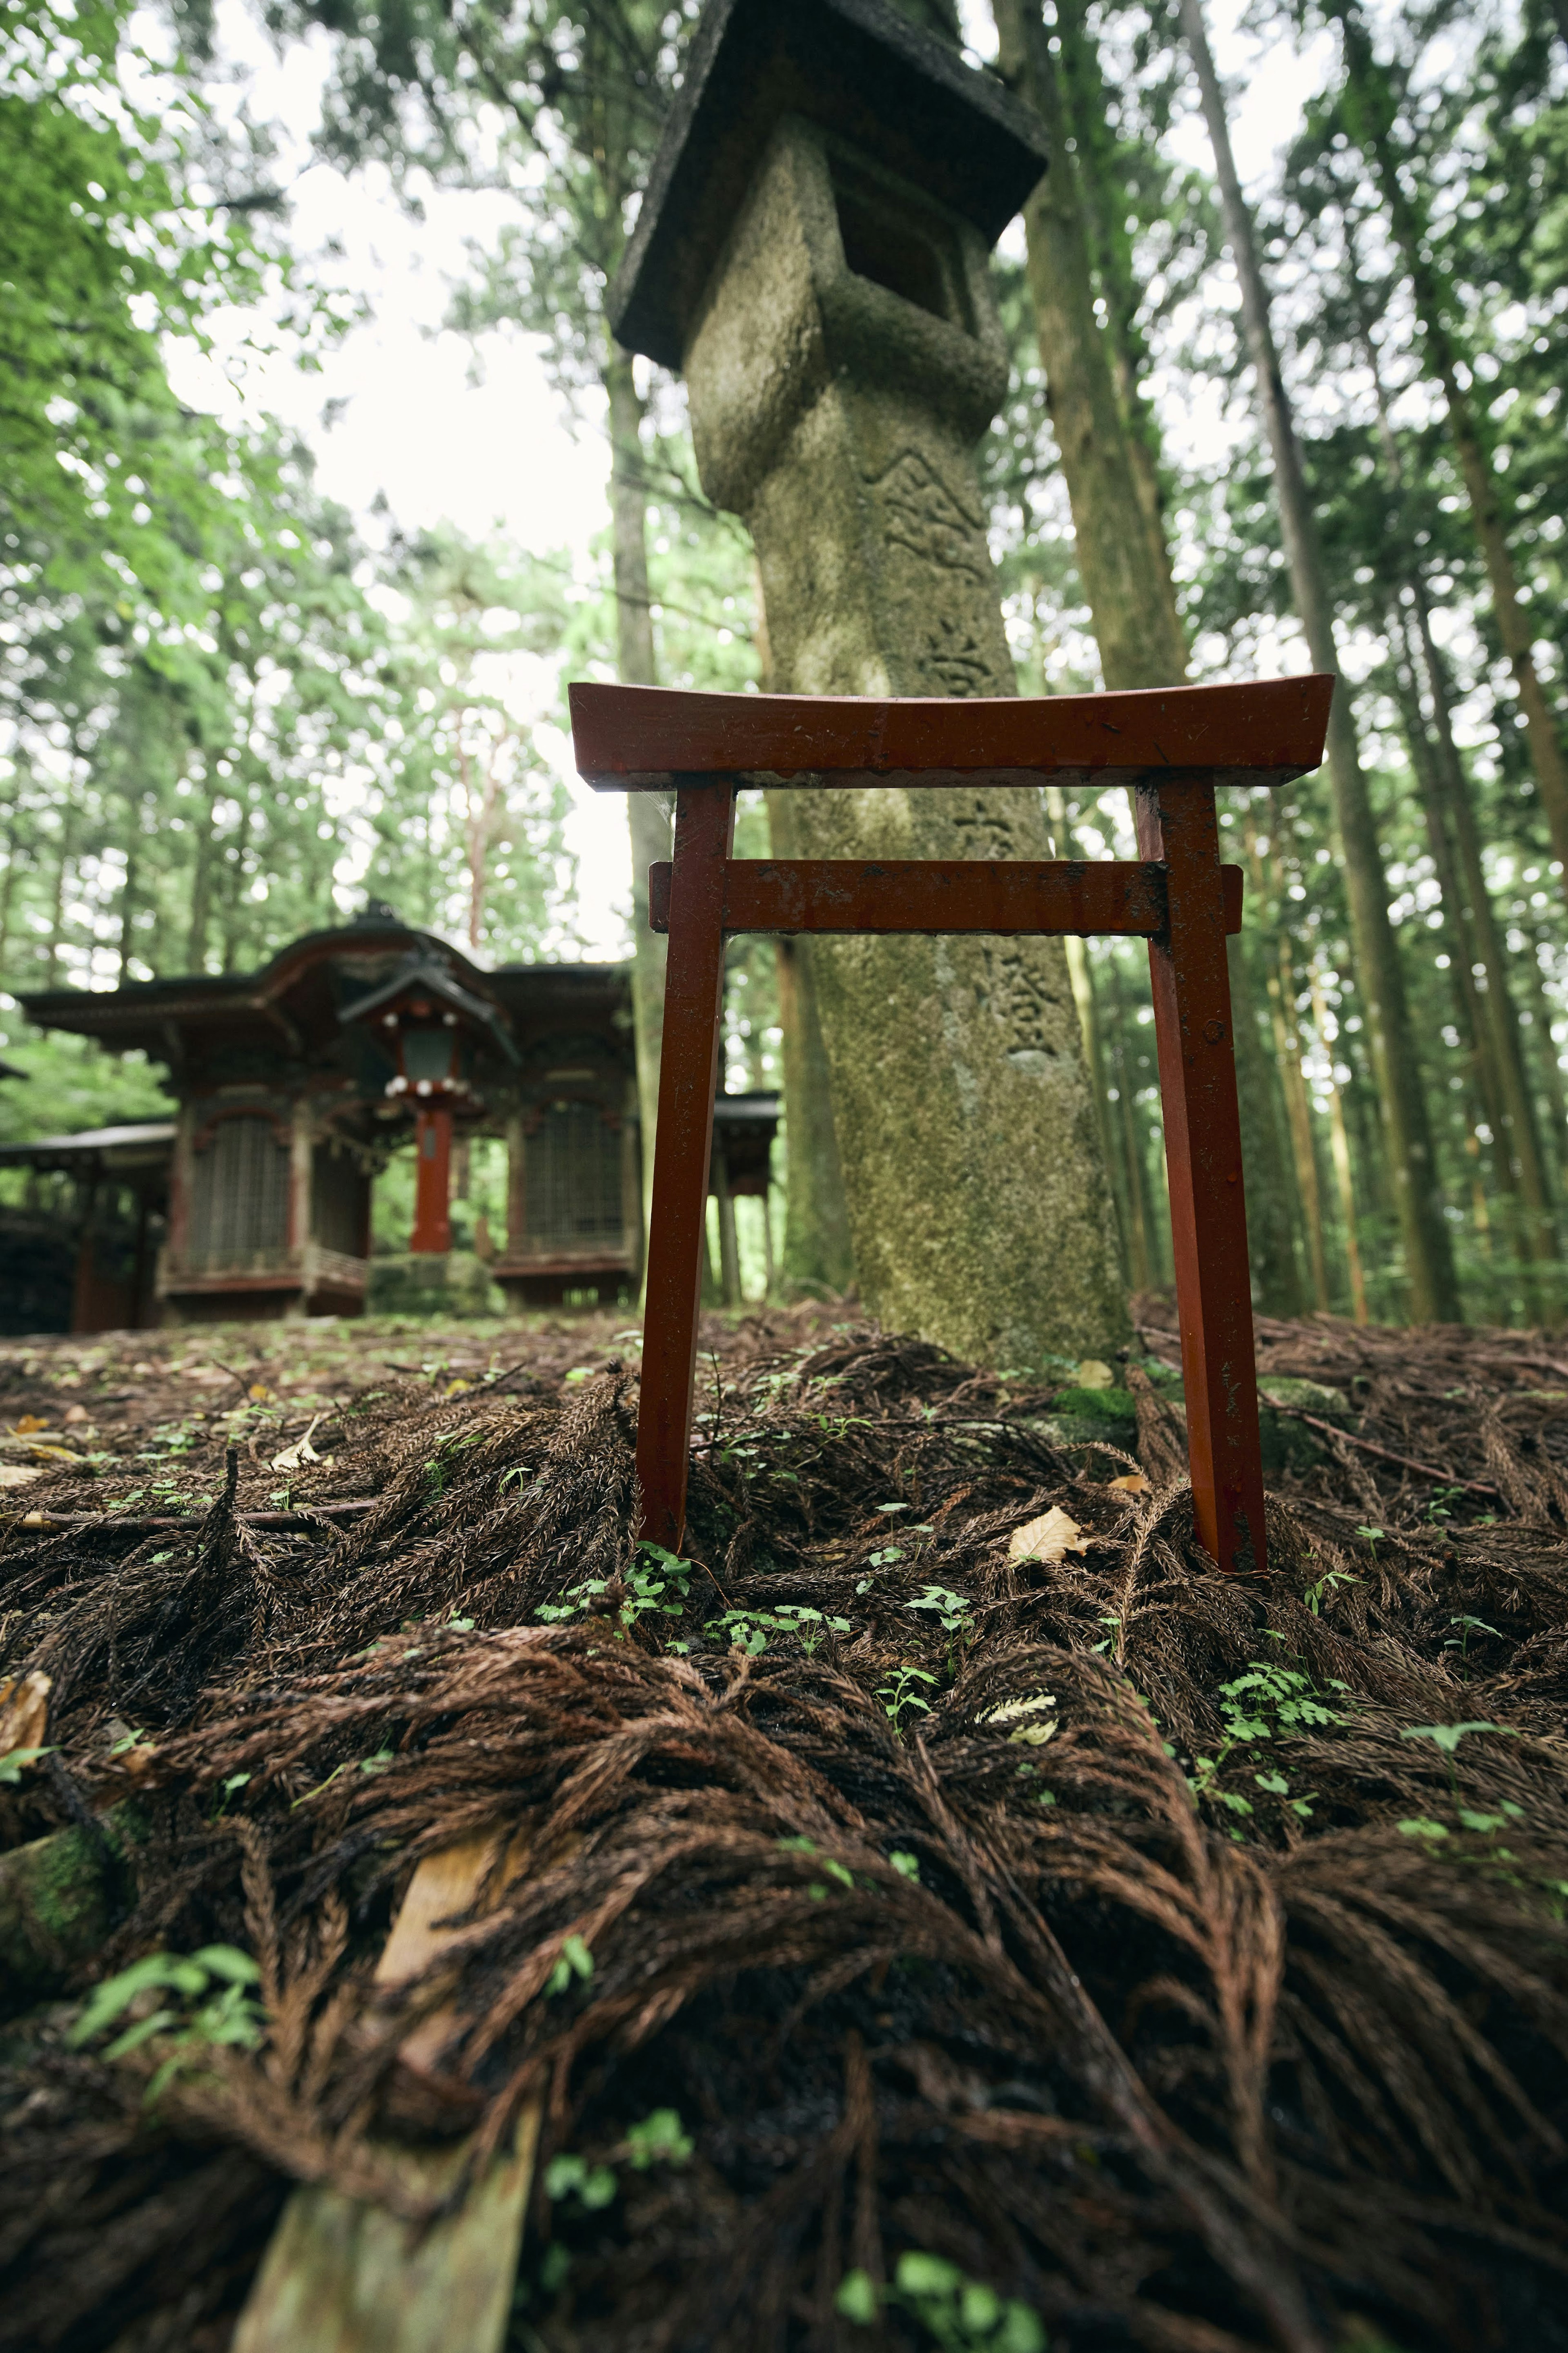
294,1084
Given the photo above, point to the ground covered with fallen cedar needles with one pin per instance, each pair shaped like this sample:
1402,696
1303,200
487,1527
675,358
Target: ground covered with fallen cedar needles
952,1915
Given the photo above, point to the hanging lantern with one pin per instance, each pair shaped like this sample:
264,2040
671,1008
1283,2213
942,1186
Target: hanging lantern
431,1045
432,1028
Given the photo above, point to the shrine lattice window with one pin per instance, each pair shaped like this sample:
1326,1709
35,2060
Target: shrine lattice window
239,1197
572,1176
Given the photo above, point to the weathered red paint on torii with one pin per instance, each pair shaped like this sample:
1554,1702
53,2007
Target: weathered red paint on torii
1172,748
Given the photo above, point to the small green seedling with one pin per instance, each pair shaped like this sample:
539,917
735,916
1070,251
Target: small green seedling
749,1628
657,2140
1468,1625
1266,1690
1313,1596
952,1609
898,1695
570,2175
576,1960
958,2312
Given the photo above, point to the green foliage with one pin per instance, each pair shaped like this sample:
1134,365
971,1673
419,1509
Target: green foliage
206,2005
953,1611
106,245
957,2313
1268,1701
1447,1737
656,1584
748,1630
657,2140
575,1961
569,2176
900,1696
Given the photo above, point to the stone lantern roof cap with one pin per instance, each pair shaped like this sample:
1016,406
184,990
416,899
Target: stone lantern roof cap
901,97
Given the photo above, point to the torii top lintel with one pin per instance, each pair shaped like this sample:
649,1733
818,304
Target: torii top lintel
644,738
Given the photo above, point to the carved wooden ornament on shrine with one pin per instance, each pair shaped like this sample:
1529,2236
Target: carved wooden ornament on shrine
1173,749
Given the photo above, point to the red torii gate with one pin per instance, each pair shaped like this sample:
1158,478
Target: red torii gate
1171,747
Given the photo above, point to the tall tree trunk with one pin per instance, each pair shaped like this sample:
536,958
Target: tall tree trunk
1339,1151
1131,1205
818,1257
1088,105
1490,1018
1126,577
129,887
1281,992
1432,1286
8,894
1546,1049
1272,1212
1506,1047
201,891
58,909
1298,1113
1113,1076
1369,113
236,884
647,819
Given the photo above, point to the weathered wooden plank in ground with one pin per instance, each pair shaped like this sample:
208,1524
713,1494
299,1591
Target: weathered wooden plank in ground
343,2276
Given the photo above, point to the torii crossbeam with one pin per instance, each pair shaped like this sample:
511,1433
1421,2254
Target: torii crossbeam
1173,748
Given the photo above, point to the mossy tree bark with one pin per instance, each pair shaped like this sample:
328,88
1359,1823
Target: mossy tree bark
1432,1288
1121,550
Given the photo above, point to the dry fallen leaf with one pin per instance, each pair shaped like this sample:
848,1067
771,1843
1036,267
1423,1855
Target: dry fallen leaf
24,1711
76,1413
1049,1538
1095,1374
302,1452
1029,1718
30,1421
17,1474
457,1388
1133,1483
259,1391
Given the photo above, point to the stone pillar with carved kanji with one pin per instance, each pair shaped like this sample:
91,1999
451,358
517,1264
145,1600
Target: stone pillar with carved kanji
814,255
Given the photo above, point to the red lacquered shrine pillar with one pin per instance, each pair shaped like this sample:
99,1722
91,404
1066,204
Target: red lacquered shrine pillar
433,1180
